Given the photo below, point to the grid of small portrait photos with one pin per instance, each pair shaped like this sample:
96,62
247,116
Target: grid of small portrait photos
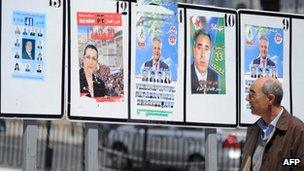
28,45
160,94
257,71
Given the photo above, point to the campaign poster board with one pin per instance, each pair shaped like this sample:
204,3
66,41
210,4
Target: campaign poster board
211,65
263,35
297,63
32,58
156,93
98,60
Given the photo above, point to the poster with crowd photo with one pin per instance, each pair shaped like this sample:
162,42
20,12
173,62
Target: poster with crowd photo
156,75
28,46
99,60
32,58
297,64
264,45
211,66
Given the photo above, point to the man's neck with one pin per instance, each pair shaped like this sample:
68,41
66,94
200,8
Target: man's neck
202,73
273,112
263,57
156,60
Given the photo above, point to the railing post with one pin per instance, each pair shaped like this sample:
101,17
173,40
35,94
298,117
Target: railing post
211,149
30,134
91,147
48,150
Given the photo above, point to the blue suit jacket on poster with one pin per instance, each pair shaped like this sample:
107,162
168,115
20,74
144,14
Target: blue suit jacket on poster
269,62
162,65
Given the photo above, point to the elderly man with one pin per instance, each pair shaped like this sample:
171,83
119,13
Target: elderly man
277,135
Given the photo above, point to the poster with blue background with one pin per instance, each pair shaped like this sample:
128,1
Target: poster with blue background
274,52
28,46
161,26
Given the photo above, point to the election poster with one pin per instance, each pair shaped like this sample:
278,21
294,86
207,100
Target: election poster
99,61
27,49
32,58
211,66
297,64
156,72
264,48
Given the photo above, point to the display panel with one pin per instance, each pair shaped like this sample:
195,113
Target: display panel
297,66
98,60
264,51
32,58
157,63
211,66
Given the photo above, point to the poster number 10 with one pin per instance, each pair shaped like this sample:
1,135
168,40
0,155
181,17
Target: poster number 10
229,20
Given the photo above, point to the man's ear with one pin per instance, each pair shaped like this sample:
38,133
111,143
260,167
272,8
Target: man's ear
271,99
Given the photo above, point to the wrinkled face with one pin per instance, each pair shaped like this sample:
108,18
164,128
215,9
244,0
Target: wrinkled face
263,48
90,59
201,52
28,46
156,50
258,101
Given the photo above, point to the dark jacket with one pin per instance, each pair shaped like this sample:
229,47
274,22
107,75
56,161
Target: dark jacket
26,56
286,142
269,62
211,77
98,85
162,65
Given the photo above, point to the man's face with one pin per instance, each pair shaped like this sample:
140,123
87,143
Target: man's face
201,52
28,46
263,48
257,99
156,50
90,59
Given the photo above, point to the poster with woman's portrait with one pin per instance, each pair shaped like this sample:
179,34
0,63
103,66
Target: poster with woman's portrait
99,60
264,45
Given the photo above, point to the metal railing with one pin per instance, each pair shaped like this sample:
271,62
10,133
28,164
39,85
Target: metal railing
61,147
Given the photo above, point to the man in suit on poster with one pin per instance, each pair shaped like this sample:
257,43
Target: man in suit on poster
201,74
28,50
263,60
155,63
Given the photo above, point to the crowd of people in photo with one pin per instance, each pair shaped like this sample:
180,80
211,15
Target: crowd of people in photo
114,83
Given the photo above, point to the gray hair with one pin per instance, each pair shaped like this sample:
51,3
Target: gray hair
273,86
264,38
157,39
